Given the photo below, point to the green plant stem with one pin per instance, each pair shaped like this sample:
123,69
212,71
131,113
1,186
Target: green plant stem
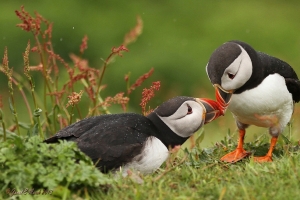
127,88
14,112
103,71
41,133
42,59
3,125
4,130
128,85
54,115
25,100
54,63
95,108
40,128
78,110
37,115
97,94
27,105
101,78
46,83
71,115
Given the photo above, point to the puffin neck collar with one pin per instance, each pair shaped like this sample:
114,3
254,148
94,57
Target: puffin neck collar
165,134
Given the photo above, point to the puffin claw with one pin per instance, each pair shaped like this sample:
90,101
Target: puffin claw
262,159
235,156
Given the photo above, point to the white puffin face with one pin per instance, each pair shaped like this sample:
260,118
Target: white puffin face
187,119
238,72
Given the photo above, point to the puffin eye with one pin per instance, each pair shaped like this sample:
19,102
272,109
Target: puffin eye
189,110
231,76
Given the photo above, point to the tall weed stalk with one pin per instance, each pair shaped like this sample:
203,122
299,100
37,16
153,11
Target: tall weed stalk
55,107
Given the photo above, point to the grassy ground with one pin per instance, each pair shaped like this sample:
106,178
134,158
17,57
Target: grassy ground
203,176
197,173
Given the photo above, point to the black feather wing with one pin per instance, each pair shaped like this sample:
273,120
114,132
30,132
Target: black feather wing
274,65
293,86
109,140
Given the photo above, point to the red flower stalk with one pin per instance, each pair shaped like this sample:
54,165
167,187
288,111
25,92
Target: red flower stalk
117,99
34,49
26,60
48,31
126,77
83,45
148,94
29,23
6,70
57,94
5,60
36,68
140,80
118,50
89,90
74,98
133,34
83,65
60,59
75,79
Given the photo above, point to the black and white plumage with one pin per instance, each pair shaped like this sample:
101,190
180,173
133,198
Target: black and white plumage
138,142
257,88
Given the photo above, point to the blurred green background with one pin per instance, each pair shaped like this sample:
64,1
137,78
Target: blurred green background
177,40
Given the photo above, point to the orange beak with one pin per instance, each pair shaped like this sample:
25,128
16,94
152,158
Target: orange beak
223,98
212,109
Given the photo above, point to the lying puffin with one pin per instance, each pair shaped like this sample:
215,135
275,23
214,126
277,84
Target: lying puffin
257,88
134,141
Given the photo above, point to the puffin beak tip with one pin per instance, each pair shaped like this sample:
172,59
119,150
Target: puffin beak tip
223,97
211,109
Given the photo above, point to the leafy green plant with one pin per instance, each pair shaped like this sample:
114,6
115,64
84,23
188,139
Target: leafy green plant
56,168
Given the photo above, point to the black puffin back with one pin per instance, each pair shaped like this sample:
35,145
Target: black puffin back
109,140
274,65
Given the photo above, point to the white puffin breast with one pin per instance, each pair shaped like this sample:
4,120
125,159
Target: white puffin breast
153,156
268,105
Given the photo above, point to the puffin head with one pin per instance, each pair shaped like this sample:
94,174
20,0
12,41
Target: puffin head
185,115
229,68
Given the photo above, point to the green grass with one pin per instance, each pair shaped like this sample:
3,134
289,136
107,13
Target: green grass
203,176
195,173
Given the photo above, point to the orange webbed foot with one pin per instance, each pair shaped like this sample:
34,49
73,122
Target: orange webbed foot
263,159
235,156
268,157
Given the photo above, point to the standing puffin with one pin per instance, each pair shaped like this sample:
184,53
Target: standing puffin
257,88
138,142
